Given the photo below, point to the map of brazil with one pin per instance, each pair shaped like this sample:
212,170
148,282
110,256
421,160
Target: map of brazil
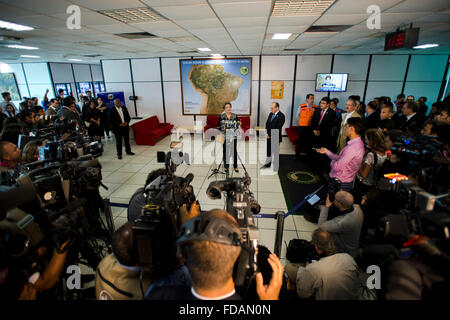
208,83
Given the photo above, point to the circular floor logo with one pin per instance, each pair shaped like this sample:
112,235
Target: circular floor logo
303,177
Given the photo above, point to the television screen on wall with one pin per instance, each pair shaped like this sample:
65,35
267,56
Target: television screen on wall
331,82
82,87
65,86
8,83
99,86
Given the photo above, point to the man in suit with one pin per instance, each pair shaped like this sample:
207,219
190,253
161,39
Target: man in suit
120,119
412,124
372,115
322,124
350,107
274,124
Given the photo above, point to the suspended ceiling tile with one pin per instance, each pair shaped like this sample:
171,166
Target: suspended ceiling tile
292,21
243,9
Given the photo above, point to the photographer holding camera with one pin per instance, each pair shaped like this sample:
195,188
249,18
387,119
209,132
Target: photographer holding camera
345,228
117,276
333,277
211,245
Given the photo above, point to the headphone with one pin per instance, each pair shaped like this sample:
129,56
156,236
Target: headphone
209,228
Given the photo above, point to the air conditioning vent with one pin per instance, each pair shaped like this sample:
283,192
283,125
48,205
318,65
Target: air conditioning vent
327,29
289,49
92,55
136,35
292,8
133,15
187,52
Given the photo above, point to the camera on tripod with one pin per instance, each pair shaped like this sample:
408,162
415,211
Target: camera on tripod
241,204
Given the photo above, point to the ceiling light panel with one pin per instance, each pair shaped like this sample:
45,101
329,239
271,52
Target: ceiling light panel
286,8
133,15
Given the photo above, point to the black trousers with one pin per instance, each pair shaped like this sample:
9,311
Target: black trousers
227,153
304,142
122,133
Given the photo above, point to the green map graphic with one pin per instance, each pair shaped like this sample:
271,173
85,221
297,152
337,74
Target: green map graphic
215,86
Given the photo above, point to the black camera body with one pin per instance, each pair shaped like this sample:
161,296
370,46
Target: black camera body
241,204
155,237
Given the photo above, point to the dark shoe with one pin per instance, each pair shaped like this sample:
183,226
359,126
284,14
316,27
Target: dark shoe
130,153
120,157
267,165
236,170
226,170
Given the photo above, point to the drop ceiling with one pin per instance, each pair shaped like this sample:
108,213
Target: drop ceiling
228,27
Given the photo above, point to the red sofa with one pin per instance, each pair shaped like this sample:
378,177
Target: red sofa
292,133
149,130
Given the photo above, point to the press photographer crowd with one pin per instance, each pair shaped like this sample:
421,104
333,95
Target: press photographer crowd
384,207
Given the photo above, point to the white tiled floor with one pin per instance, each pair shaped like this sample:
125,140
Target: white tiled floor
123,177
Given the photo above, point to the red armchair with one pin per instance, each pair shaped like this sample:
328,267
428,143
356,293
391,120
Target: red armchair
293,134
211,122
245,124
149,130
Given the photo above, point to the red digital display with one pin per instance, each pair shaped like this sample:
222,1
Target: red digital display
395,40
401,39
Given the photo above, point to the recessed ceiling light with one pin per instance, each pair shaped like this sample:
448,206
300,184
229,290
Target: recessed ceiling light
203,49
426,46
217,55
74,59
281,36
18,46
28,56
14,26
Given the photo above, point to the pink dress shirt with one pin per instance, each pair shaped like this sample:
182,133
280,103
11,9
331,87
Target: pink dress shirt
346,165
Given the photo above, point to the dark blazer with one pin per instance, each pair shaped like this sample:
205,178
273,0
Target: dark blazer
115,118
413,125
276,123
372,120
325,127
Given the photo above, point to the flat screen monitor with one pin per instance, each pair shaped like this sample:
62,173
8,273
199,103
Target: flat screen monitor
99,86
331,82
82,87
65,86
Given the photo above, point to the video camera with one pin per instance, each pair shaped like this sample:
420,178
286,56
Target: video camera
155,231
241,204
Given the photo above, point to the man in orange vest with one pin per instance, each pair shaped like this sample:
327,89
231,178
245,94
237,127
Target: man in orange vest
304,115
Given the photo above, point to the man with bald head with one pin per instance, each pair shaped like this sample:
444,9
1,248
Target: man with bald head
346,226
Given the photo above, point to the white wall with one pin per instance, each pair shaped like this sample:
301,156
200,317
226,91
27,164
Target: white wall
425,76
38,80
386,76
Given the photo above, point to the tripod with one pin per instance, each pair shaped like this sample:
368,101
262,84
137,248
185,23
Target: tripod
217,170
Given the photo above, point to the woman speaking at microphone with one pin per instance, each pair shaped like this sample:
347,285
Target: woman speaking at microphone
229,124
